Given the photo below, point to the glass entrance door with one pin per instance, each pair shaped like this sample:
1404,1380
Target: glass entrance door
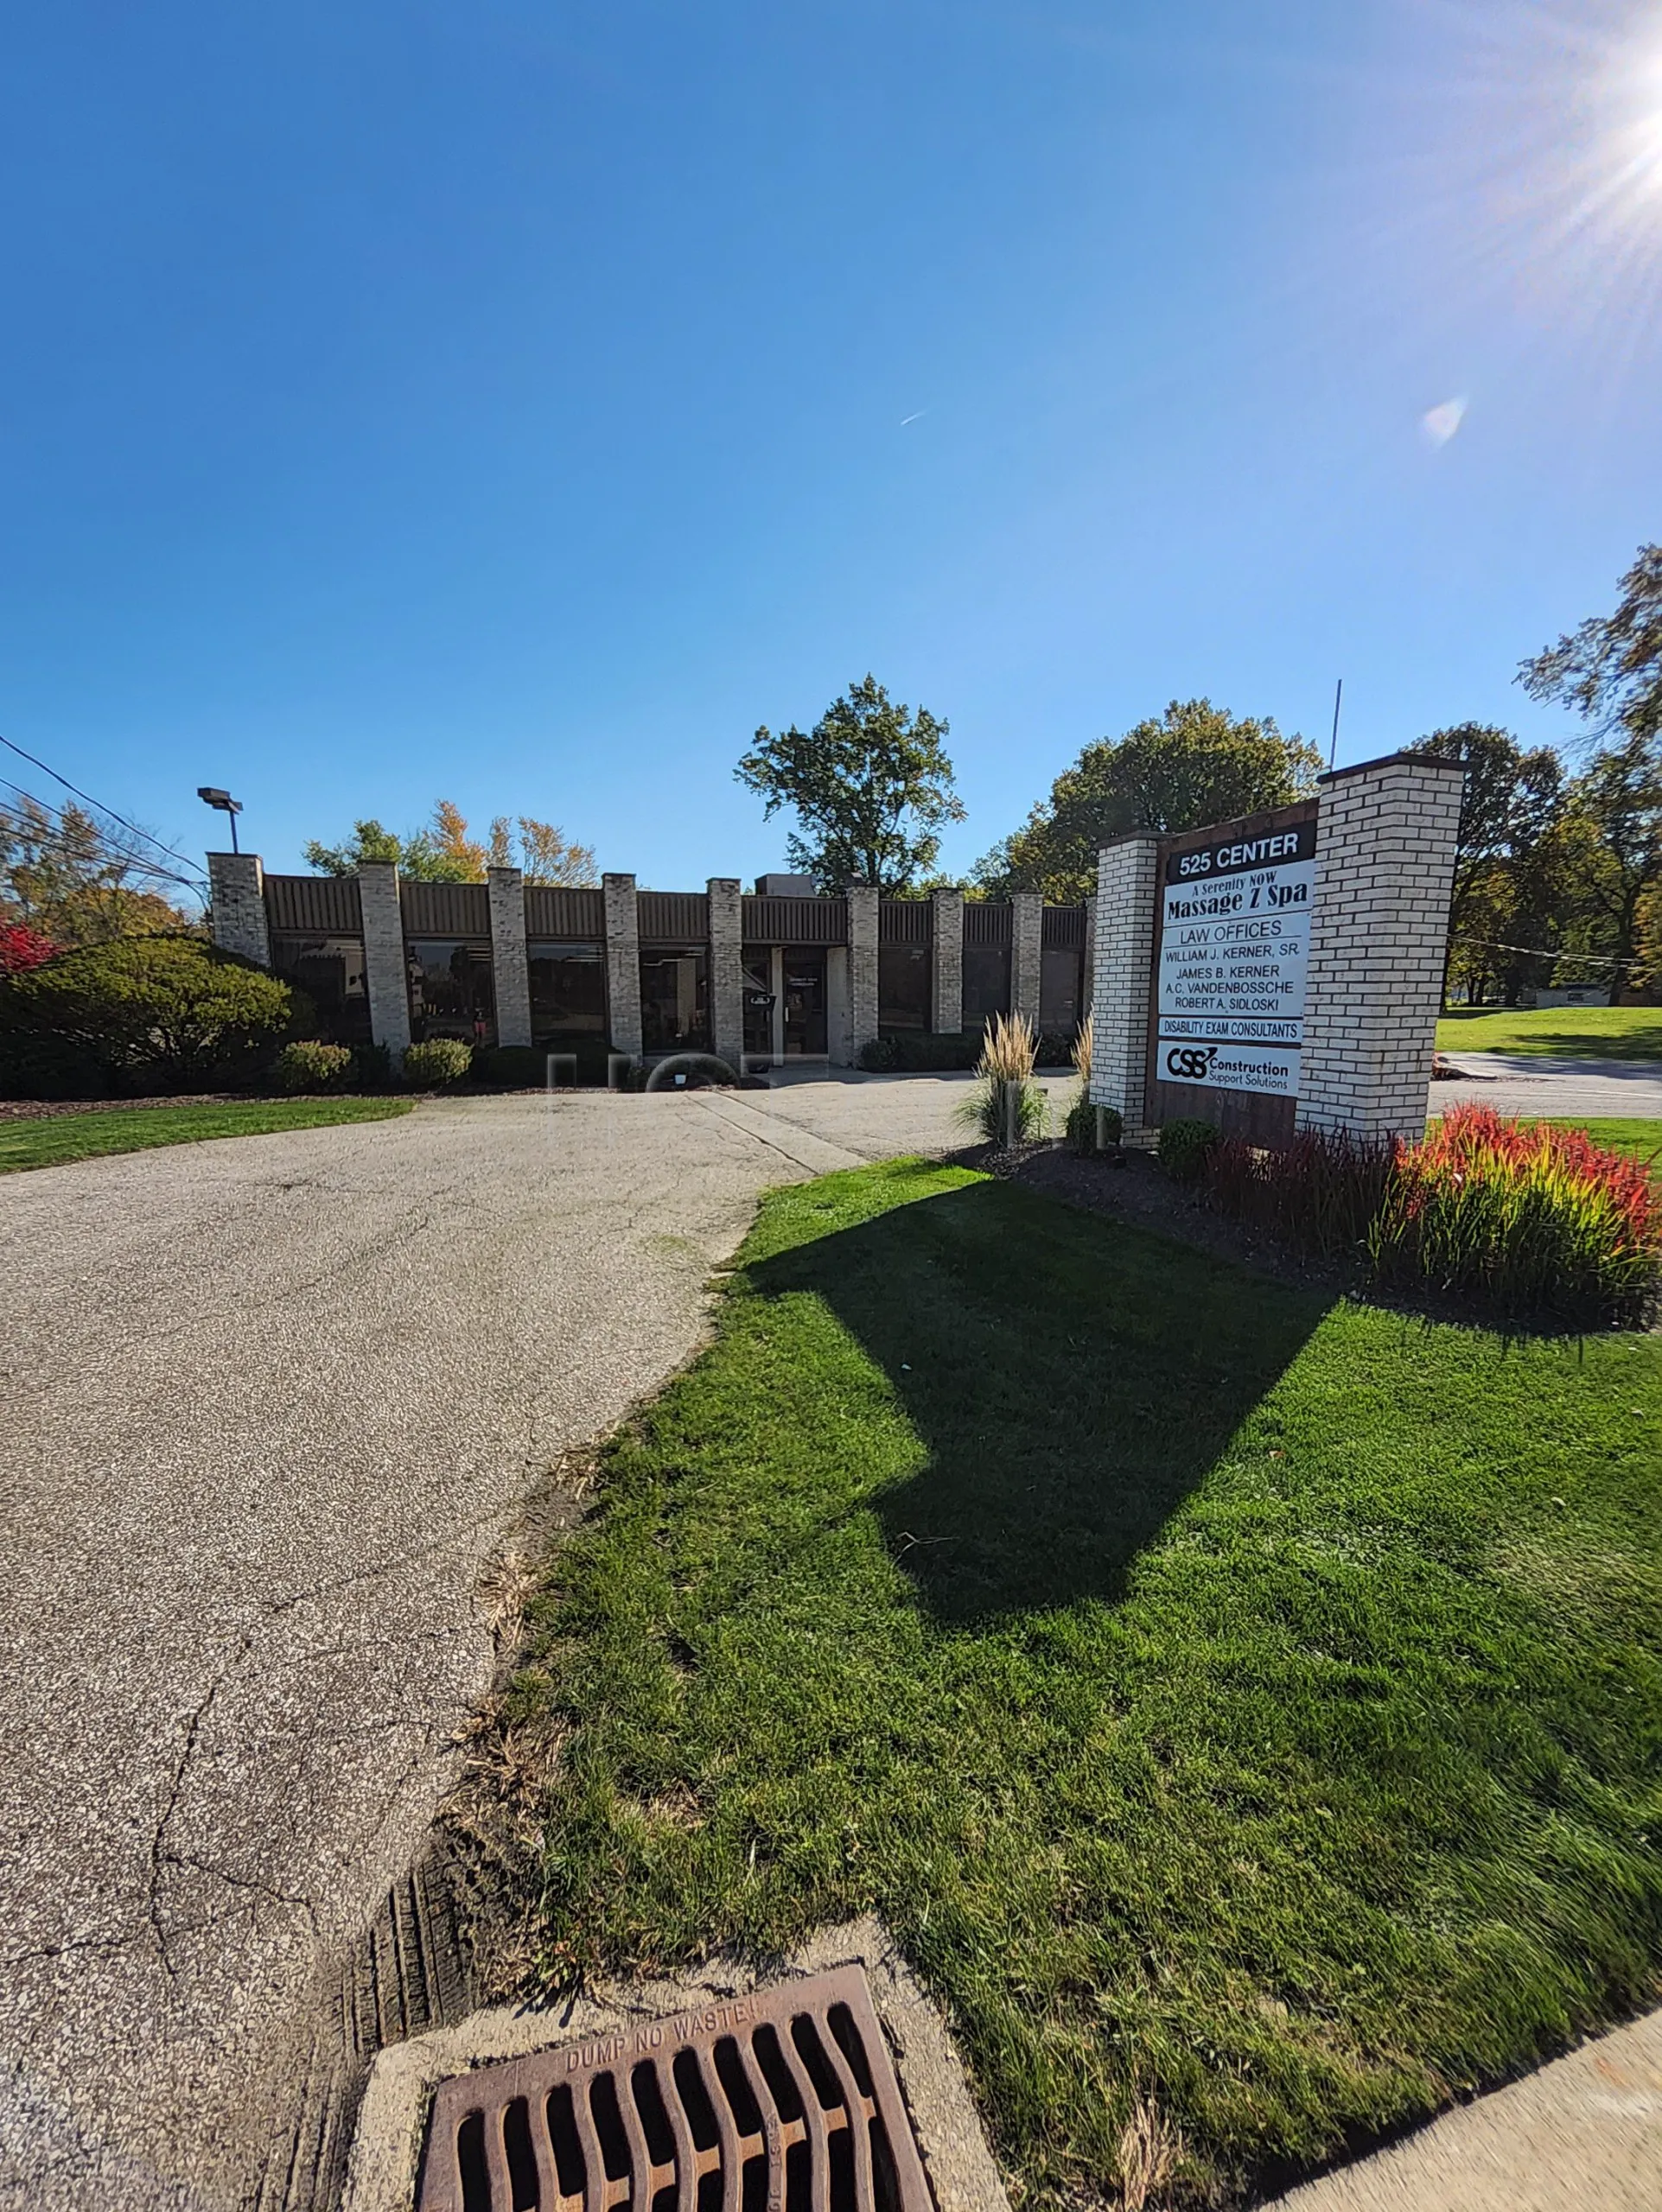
805,1002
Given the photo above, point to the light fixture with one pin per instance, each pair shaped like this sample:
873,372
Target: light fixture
222,803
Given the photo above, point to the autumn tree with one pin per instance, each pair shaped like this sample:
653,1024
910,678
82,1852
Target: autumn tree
76,880
443,852
870,786
1194,764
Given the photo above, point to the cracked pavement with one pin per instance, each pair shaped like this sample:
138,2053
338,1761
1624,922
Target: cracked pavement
270,1406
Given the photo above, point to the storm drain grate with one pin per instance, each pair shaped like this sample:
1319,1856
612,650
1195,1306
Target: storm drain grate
784,2100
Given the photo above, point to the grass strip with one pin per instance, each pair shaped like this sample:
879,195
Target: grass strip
1232,1699
1586,1033
57,1138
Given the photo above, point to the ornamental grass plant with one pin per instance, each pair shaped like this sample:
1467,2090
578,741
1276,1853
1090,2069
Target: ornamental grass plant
1530,1218
1006,1102
1321,1193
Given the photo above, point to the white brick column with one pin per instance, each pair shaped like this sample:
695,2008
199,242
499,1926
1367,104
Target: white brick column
946,964
1088,978
235,884
727,969
386,977
509,968
622,964
1026,953
862,967
1384,865
1122,978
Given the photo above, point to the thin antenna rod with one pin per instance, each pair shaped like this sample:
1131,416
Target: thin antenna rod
1333,750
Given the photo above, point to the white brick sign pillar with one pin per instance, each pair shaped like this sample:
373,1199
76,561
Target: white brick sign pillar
946,965
622,964
386,978
727,967
236,886
510,968
1385,866
1128,897
862,967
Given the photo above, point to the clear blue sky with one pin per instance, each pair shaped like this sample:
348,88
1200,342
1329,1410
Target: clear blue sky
508,400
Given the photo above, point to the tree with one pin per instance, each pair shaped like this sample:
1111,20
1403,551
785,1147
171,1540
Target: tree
23,948
1620,798
1511,801
79,881
1194,764
869,783
368,842
142,1014
1609,670
444,853
543,854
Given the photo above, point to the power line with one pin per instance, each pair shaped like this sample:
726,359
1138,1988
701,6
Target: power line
1546,952
89,798
110,854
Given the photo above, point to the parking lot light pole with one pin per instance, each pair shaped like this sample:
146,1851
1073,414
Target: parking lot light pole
223,804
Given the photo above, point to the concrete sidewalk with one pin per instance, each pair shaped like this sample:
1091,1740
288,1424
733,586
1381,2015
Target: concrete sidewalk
1584,2134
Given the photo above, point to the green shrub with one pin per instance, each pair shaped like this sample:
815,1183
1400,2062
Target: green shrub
439,1061
1082,1124
912,1052
372,1068
516,1067
1184,1147
144,1015
309,1065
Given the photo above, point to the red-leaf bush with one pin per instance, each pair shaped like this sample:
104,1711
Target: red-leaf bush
1530,1219
23,948
1522,1219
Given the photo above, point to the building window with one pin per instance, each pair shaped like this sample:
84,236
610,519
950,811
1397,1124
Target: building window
903,986
330,971
986,983
450,993
675,998
1061,976
568,990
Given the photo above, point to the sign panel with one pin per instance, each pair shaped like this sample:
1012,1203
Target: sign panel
1234,944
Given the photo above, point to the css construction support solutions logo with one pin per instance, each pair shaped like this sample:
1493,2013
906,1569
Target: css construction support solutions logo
1190,1062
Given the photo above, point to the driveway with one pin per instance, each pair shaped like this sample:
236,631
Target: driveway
268,1407
1522,1083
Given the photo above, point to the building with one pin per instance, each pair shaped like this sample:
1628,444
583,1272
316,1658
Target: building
781,974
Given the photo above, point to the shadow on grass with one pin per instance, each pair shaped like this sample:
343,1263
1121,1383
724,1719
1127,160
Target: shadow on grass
1073,1380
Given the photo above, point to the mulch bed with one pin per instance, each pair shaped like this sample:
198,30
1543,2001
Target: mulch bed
44,1109
1132,1186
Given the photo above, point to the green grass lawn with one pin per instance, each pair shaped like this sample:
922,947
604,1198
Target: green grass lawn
1586,1033
1232,1699
59,1137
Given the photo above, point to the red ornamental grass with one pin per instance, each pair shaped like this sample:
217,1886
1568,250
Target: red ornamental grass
1529,1219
